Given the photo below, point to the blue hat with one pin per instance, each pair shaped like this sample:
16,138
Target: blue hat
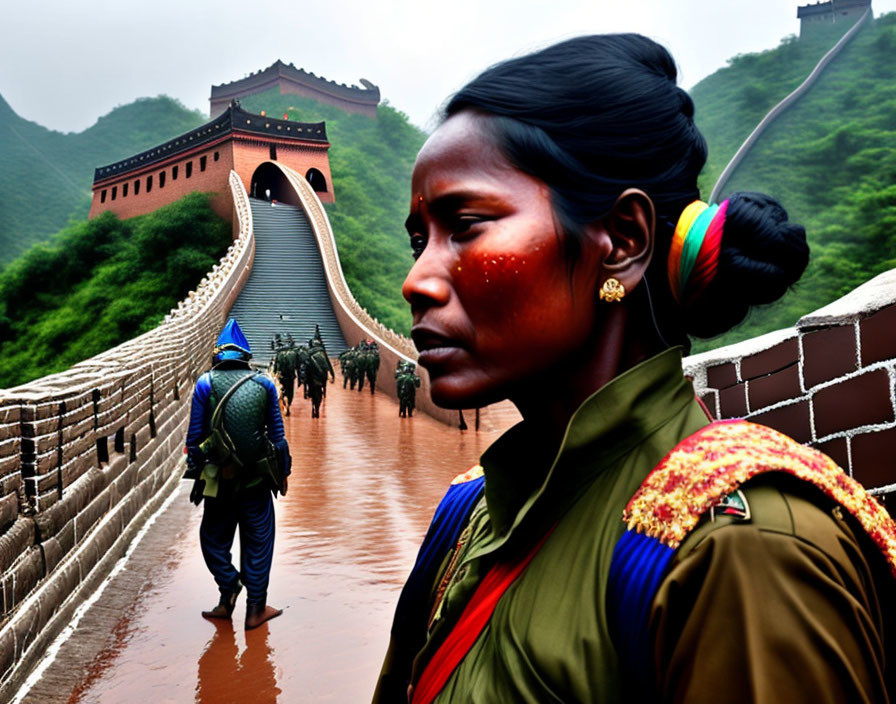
232,343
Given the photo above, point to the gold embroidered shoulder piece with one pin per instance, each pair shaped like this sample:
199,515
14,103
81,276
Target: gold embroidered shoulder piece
472,473
719,458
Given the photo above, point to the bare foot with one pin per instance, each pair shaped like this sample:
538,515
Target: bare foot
257,615
218,612
225,606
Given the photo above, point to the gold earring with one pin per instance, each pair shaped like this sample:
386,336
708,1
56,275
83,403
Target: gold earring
612,290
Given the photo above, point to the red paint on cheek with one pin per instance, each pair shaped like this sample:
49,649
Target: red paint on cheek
484,269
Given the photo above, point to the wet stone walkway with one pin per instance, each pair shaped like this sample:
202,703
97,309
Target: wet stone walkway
365,483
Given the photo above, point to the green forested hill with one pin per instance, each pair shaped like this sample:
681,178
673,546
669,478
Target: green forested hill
99,283
371,163
45,176
830,159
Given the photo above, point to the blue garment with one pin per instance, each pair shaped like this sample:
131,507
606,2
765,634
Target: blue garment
253,511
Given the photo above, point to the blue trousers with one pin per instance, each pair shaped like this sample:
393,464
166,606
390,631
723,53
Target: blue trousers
252,510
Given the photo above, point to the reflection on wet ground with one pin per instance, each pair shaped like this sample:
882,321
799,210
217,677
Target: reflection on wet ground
364,487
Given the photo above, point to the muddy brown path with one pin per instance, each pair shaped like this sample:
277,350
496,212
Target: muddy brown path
365,484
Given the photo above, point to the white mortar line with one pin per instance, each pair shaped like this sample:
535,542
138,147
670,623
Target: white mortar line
779,404
858,430
800,363
69,630
812,432
892,372
882,489
849,454
887,364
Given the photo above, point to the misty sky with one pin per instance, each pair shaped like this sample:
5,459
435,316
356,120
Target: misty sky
64,63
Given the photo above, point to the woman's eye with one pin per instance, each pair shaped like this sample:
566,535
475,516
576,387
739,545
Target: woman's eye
418,244
464,222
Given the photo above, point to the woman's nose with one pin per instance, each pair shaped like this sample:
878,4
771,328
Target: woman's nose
427,283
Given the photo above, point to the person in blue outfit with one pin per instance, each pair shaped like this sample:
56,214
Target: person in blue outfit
238,457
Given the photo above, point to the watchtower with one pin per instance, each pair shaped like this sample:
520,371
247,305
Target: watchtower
831,12
296,81
201,160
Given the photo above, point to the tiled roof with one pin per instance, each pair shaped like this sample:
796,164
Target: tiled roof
234,119
368,94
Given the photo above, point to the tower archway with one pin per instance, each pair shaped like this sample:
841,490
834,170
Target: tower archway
270,183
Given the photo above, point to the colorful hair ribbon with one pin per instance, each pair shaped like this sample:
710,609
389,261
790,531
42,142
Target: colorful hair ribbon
685,220
694,252
707,263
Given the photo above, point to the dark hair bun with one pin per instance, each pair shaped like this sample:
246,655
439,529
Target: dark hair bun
762,255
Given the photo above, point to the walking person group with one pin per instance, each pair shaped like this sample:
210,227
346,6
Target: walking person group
308,365
238,458
359,363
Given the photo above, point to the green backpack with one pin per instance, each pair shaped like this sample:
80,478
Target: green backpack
223,461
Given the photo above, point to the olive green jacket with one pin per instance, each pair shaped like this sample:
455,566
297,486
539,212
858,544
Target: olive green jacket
717,619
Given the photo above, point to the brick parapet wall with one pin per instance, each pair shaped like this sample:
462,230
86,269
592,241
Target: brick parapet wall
830,381
213,180
87,455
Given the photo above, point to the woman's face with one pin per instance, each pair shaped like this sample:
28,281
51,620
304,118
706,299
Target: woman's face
497,313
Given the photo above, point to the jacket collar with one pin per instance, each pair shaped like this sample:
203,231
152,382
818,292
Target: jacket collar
524,478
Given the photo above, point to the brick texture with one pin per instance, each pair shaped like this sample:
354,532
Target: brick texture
249,154
861,400
874,458
828,354
733,401
767,390
771,360
213,180
792,420
721,376
836,449
710,400
878,334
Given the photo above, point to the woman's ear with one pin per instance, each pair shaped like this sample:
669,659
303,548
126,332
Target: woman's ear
630,227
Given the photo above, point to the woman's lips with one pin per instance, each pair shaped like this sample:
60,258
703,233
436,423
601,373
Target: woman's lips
433,346
438,355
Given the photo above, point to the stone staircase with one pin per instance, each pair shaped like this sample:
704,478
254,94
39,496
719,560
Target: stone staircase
286,291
